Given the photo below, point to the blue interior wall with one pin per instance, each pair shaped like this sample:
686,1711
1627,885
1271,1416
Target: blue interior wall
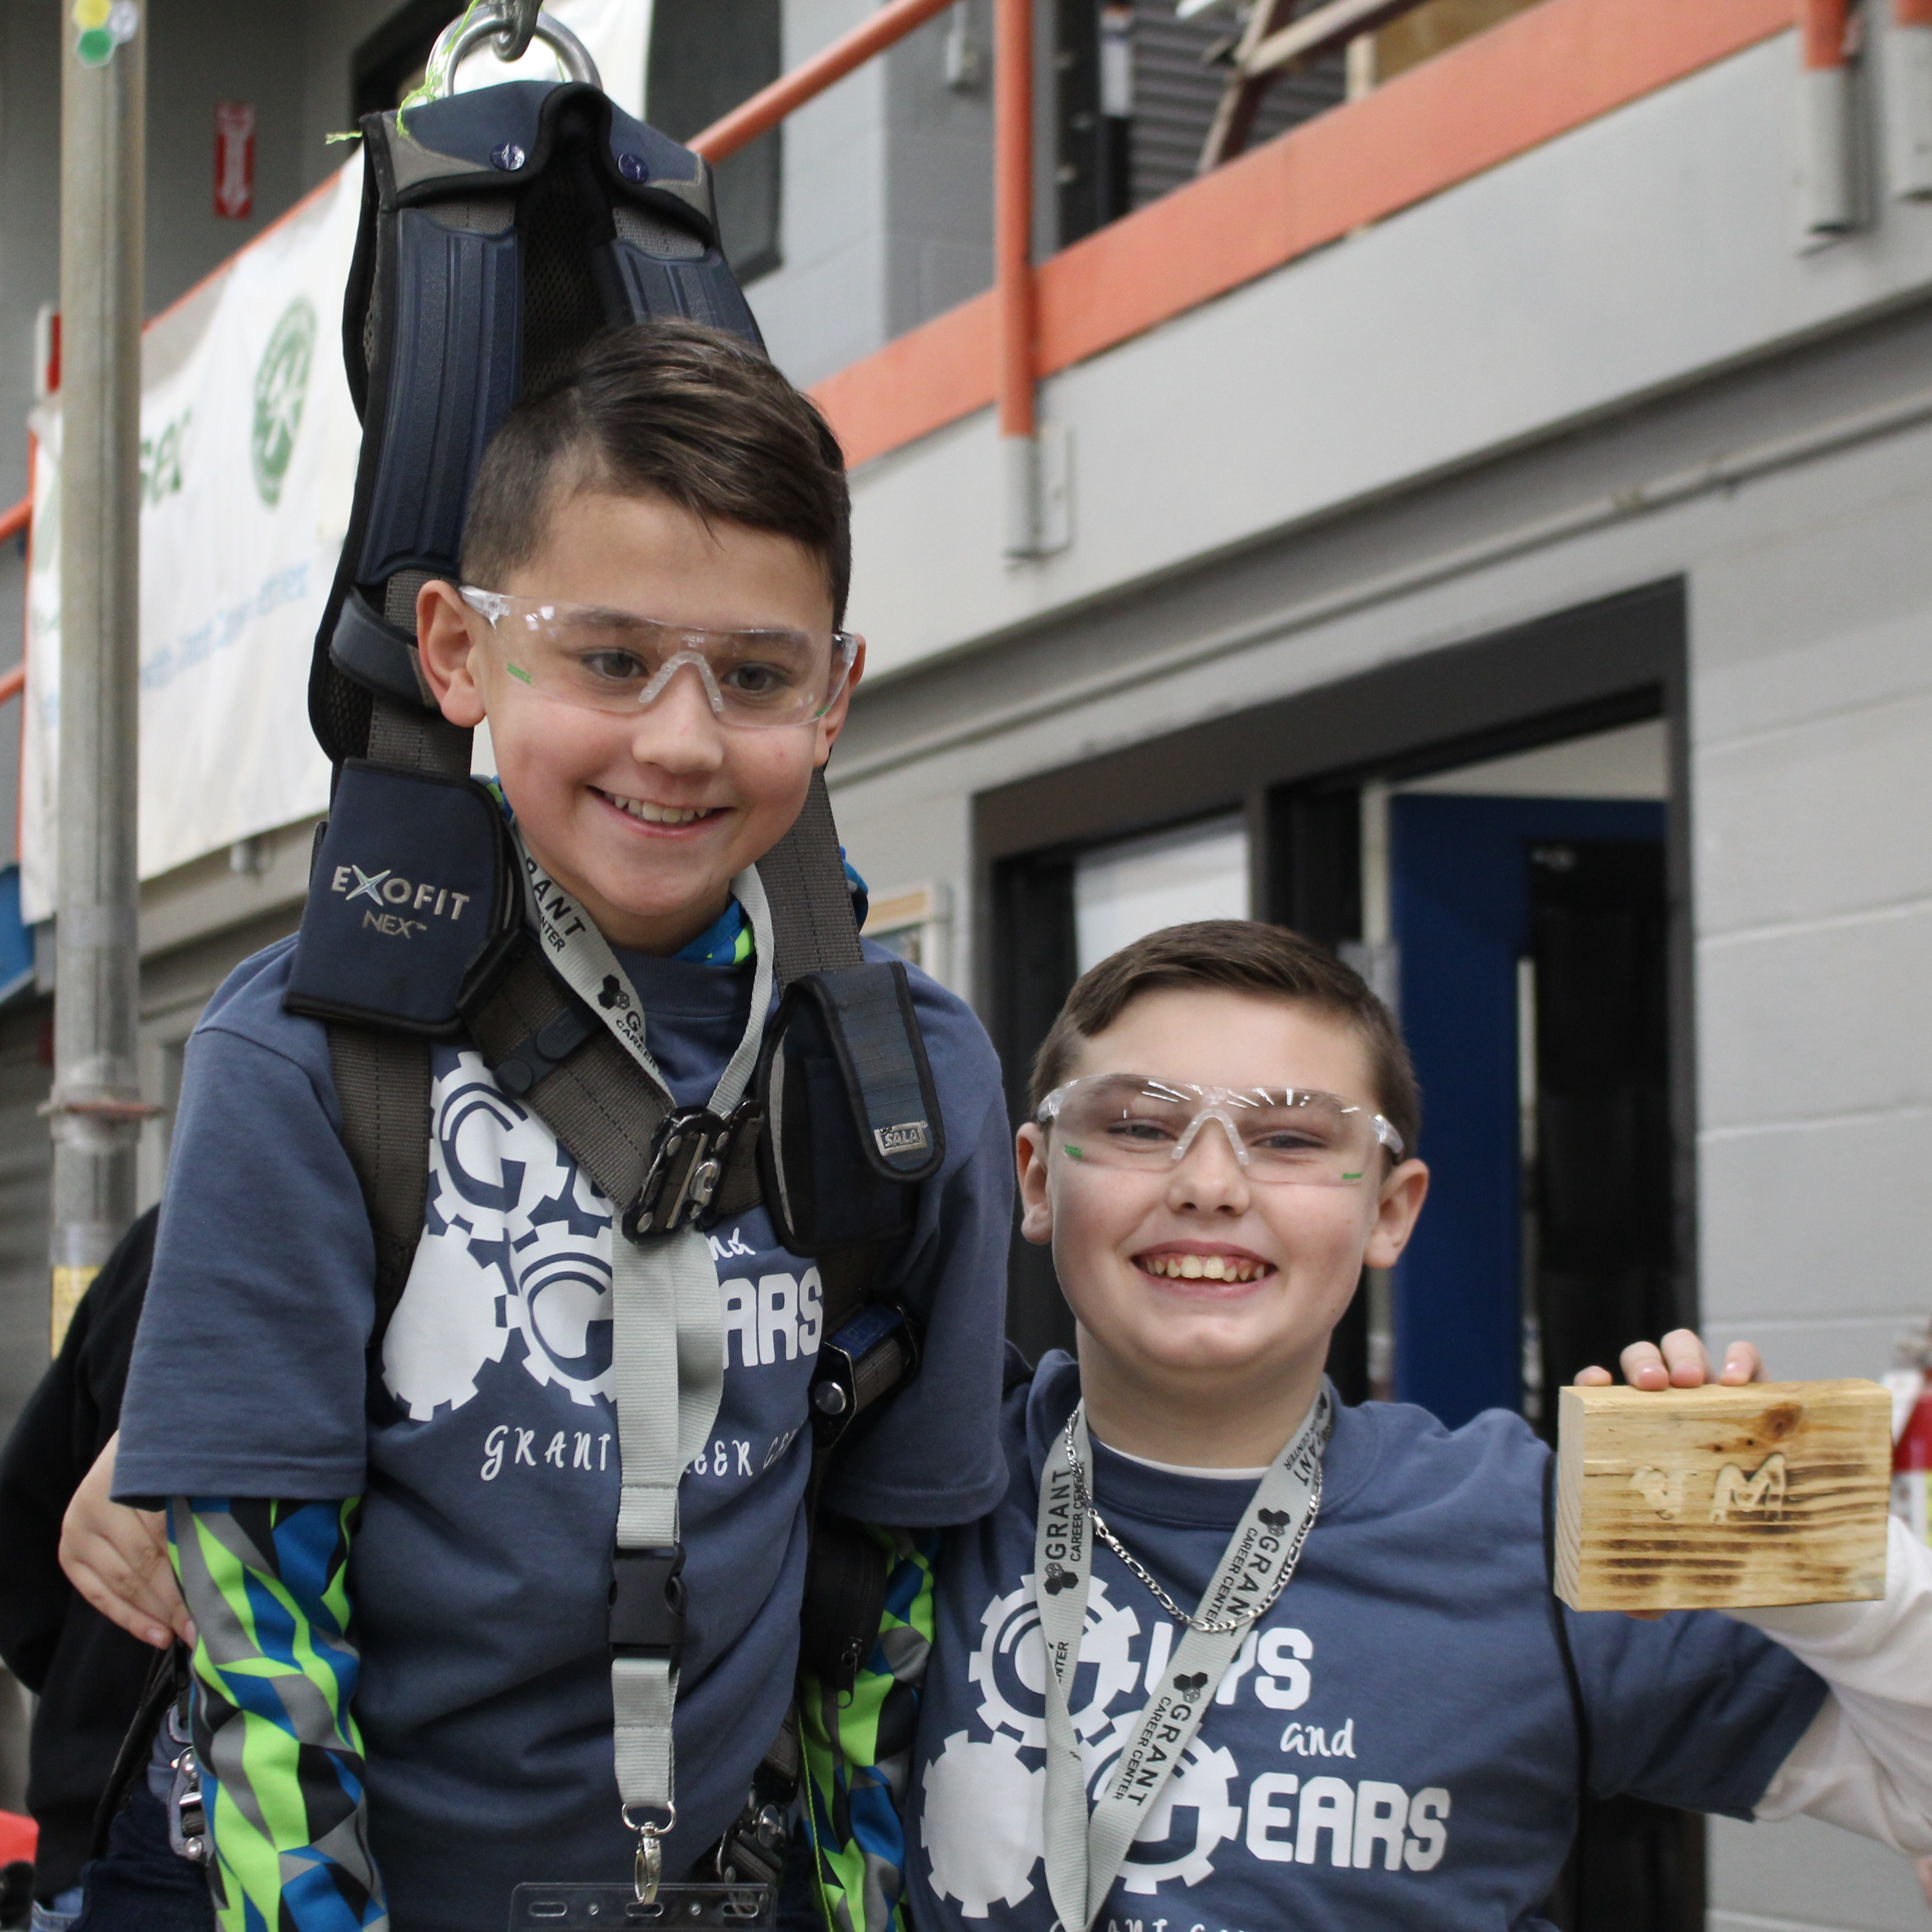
1459,890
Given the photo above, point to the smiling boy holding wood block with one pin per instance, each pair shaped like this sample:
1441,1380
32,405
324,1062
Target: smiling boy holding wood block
1230,1653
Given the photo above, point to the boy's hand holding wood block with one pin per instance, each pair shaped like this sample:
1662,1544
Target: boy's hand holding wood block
1722,1498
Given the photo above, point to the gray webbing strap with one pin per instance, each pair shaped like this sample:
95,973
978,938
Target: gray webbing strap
418,741
382,1087
804,878
814,929
603,1107
664,1287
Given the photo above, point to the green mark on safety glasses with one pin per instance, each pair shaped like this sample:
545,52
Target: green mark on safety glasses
1074,1154
518,670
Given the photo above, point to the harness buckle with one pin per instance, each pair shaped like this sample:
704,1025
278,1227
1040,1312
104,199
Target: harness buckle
647,1602
692,1149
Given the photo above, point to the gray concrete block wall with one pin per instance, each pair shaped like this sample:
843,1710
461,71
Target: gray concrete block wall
1804,1876
200,52
939,184
1812,774
887,208
824,306
330,32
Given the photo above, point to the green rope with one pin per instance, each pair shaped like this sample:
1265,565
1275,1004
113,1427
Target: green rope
430,88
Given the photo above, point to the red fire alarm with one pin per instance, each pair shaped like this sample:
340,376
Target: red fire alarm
235,159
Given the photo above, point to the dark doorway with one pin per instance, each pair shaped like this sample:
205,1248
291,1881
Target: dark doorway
1597,1261
1038,961
1635,1867
1535,949
1467,1313
1596,1250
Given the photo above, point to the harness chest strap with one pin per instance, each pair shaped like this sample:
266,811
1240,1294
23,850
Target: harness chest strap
1084,1853
663,1285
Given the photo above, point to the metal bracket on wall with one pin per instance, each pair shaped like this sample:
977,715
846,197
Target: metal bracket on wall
1038,485
1908,100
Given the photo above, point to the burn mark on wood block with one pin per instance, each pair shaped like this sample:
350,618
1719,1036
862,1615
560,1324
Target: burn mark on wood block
1721,1498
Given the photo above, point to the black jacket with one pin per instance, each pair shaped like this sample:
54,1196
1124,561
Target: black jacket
88,1673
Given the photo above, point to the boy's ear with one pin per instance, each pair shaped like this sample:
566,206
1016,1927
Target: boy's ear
833,722
1035,1203
1401,1199
446,647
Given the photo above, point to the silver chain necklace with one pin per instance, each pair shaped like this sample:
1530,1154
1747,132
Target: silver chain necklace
1206,1626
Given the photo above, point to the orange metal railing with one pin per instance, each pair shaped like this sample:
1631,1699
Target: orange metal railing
12,523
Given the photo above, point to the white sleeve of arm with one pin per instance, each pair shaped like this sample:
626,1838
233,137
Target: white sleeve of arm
1866,1762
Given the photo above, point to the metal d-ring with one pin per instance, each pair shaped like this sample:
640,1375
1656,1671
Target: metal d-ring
498,20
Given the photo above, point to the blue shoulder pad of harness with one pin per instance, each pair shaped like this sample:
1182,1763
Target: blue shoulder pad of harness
852,1119
412,881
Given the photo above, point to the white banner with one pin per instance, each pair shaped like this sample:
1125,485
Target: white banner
249,444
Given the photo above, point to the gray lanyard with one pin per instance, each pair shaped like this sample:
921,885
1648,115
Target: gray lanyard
668,1345
1084,1853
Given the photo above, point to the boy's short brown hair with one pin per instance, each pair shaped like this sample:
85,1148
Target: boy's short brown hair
665,408
1240,955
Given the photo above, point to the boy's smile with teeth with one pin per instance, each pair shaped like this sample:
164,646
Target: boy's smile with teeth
1177,1265
657,814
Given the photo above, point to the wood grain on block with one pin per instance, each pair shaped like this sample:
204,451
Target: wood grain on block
1721,1498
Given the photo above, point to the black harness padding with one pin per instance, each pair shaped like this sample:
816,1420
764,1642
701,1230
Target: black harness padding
414,878
853,1123
501,230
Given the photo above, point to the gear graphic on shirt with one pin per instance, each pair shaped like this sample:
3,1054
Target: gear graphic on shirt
1010,1664
563,1308
1199,1785
448,1323
515,1237
981,1823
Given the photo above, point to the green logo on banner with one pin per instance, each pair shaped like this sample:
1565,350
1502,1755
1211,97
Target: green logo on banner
281,383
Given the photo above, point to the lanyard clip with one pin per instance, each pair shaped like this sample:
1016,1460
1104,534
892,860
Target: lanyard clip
692,1149
647,1603
647,1869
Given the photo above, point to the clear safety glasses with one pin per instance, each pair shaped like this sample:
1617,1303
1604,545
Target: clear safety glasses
1279,1134
604,660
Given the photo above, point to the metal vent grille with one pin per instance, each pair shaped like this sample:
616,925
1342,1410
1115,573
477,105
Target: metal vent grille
1175,96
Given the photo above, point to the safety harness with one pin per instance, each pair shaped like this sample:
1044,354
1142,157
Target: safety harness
501,230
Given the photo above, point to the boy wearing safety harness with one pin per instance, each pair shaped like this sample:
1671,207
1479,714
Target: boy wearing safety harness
1229,1655
566,1499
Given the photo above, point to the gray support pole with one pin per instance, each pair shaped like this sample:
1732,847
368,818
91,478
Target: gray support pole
96,1108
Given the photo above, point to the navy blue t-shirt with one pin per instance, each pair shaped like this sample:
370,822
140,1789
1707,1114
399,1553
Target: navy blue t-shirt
488,1456
1395,1746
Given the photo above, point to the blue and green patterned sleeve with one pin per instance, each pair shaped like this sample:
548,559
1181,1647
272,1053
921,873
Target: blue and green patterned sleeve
858,1754
275,1673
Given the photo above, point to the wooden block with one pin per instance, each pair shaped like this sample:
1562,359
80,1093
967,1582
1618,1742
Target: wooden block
1721,1498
